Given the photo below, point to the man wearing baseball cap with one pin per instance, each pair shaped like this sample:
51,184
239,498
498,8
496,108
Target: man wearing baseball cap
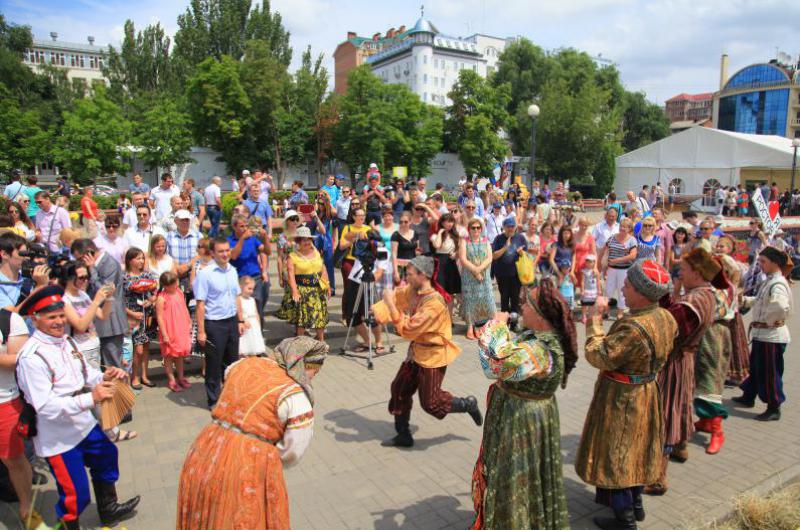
419,313
620,449
63,389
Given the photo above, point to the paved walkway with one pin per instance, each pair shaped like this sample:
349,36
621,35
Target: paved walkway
348,481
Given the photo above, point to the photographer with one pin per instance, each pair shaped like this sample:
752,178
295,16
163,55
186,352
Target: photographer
370,259
14,286
63,389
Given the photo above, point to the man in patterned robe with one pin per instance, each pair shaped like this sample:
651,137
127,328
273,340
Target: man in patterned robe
694,313
620,449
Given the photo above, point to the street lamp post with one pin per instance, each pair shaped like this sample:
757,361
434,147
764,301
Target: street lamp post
533,112
795,145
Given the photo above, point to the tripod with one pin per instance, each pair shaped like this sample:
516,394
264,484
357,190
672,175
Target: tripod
365,297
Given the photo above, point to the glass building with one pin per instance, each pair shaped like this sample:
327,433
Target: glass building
760,99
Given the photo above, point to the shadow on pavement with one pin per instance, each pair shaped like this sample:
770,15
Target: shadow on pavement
352,427
445,509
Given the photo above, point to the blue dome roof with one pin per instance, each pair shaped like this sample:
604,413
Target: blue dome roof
423,26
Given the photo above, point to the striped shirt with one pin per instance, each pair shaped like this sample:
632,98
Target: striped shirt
182,248
620,250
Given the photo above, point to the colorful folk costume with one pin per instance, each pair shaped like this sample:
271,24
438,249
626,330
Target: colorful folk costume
518,482
621,446
771,307
739,365
711,366
233,474
420,315
57,382
694,313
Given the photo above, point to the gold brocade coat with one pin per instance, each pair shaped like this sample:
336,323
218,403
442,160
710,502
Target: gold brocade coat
621,444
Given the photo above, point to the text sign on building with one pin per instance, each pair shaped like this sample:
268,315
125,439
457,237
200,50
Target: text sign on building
768,213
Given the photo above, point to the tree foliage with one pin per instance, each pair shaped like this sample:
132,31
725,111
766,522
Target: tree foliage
142,65
643,122
163,135
475,118
93,138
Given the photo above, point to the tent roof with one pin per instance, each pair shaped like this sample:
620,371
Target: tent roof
702,147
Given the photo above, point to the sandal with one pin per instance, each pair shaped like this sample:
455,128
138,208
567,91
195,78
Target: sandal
123,436
175,386
148,384
184,382
380,349
136,386
360,348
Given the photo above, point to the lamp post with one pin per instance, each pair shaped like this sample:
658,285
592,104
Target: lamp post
533,112
795,145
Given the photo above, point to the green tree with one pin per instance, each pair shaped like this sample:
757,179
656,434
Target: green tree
163,135
93,139
142,64
475,119
24,142
643,122
215,28
219,109
311,82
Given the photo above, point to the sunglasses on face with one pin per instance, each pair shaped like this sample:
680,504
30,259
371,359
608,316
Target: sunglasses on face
706,228
112,226
474,227
470,208
293,219
81,278
403,222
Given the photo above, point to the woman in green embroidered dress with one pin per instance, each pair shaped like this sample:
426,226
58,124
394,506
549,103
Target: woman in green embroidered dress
518,481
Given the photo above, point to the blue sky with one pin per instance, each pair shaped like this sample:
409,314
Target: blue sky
661,47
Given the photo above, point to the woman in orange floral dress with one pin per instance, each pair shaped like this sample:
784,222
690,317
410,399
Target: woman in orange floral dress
232,477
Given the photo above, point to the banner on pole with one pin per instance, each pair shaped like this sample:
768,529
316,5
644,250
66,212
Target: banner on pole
768,213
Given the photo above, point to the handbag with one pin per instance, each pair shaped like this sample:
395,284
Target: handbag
525,269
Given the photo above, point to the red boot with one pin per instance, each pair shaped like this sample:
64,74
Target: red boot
703,425
717,436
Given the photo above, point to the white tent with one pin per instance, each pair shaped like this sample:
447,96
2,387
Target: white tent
697,155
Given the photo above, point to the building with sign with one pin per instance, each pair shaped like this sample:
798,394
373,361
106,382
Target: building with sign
82,62
761,98
424,59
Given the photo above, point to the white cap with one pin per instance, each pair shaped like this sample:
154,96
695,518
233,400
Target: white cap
183,214
245,172
373,166
290,213
591,257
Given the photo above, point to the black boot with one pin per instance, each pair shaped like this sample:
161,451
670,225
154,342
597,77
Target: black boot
403,438
638,507
69,525
469,405
623,520
108,508
771,414
744,401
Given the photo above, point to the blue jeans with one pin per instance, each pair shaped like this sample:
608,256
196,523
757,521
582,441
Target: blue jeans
214,215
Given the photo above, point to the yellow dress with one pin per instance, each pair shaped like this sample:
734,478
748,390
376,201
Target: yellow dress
312,310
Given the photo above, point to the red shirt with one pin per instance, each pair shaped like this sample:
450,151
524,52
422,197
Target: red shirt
89,208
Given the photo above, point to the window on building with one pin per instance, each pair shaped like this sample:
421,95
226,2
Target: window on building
710,187
761,112
425,96
424,79
424,59
757,75
677,184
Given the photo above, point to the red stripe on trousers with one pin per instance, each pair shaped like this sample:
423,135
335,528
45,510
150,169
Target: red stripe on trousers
65,481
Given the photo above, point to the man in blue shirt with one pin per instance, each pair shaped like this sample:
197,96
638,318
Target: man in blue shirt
299,196
331,189
219,319
258,206
16,188
249,256
138,186
505,252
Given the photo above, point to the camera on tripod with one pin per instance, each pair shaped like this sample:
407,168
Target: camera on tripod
41,255
368,251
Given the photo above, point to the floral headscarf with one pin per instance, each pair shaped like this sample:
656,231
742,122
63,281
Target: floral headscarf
294,353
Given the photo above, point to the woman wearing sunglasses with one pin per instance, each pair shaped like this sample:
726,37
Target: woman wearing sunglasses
21,222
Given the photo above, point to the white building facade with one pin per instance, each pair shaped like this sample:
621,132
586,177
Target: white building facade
428,62
83,63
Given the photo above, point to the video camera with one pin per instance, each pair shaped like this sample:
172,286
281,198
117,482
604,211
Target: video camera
41,255
368,251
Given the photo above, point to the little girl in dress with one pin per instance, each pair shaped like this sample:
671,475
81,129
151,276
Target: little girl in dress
590,286
174,329
251,342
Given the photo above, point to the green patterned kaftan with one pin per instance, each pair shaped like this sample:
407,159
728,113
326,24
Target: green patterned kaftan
712,359
518,481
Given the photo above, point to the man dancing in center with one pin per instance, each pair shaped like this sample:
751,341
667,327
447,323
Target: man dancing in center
419,313
621,447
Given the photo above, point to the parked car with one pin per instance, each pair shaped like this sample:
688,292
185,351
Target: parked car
103,190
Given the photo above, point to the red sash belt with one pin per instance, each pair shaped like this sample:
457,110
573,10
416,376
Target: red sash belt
629,379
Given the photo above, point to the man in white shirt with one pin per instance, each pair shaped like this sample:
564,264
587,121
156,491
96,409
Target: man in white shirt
64,389
213,197
139,236
160,197
421,187
604,231
494,221
129,218
719,195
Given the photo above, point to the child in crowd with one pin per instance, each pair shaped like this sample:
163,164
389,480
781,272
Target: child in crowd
174,329
251,342
566,284
123,203
591,284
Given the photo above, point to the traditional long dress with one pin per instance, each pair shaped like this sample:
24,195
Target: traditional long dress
232,477
478,295
517,482
621,444
312,310
712,359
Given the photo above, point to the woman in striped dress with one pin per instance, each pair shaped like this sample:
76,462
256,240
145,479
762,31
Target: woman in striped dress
649,245
622,250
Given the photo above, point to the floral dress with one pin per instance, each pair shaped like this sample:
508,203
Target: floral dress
287,309
146,330
518,482
477,304
312,310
